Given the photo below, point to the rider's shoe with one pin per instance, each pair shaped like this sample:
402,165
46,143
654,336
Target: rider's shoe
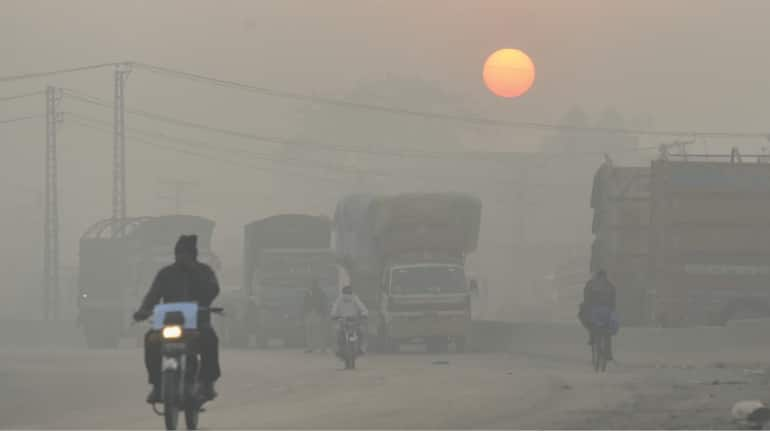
154,395
207,391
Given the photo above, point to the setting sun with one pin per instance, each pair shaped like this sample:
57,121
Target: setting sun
509,73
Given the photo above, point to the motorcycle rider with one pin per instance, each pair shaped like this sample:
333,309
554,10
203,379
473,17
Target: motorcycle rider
184,280
598,292
349,305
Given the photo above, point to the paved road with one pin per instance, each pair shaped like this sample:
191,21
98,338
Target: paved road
287,389
663,380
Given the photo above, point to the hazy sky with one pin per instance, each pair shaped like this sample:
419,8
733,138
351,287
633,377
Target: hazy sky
690,64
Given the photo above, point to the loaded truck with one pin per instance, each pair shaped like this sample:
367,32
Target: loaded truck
282,256
405,257
621,201
704,231
118,262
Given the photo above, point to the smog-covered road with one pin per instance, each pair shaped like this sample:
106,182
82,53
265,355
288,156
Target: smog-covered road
664,379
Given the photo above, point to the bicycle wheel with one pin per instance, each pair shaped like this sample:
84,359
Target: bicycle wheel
603,352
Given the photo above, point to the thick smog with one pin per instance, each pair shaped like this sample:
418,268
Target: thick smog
384,215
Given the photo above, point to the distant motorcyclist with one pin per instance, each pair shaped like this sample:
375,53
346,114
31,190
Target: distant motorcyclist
184,280
314,311
598,295
348,305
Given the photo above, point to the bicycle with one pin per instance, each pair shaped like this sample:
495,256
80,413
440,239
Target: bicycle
600,350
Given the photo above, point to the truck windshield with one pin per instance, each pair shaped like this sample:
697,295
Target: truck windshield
427,279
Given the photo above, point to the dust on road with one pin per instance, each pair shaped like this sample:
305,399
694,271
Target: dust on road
672,379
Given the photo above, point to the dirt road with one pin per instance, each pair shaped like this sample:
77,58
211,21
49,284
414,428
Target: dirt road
672,379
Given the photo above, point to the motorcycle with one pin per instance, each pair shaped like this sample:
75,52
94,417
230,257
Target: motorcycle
176,324
350,340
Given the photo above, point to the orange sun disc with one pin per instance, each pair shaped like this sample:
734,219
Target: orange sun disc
509,73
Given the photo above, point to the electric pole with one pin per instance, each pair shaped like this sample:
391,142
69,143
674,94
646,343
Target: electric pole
51,219
119,151
178,188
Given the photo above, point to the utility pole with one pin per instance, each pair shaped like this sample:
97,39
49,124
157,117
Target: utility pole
51,219
119,150
178,188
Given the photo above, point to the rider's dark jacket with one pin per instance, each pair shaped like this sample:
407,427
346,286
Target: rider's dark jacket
177,282
599,292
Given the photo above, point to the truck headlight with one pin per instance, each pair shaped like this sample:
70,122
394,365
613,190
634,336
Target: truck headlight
172,332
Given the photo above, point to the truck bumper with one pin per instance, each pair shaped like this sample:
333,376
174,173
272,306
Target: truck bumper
419,325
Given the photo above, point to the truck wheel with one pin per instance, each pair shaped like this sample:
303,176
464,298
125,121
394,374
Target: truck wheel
437,345
98,338
261,340
235,335
719,319
239,340
460,344
385,344
294,342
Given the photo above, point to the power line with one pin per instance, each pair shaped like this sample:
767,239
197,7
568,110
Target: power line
398,111
54,72
439,116
208,146
278,140
244,135
104,126
205,156
17,119
21,96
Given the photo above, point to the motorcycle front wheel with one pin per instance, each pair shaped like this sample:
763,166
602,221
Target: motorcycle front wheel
171,399
350,356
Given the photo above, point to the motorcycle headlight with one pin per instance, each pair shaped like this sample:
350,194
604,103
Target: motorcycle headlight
172,332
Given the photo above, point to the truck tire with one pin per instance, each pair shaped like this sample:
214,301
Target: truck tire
719,319
262,339
461,344
239,339
294,342
385,344
235,335
100,338
437,344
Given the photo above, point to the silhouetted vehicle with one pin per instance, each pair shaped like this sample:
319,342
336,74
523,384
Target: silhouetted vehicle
283,255
118,261
405,256
176,325
686,240
351,341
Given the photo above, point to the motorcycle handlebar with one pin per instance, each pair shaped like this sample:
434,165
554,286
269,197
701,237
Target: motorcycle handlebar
214,310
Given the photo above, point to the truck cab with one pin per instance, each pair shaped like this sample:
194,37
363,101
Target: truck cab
427,302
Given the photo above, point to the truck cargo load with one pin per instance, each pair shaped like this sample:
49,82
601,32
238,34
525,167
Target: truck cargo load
285,231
